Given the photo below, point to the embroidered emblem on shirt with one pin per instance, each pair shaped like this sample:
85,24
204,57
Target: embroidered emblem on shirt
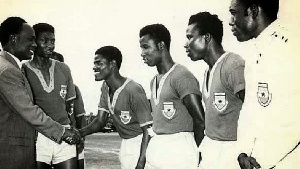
125,117
169,110
220,101
63,91
263,95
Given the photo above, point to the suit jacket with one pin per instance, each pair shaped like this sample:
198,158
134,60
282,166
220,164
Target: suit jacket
20,118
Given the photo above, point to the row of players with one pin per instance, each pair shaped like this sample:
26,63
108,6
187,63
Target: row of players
172,134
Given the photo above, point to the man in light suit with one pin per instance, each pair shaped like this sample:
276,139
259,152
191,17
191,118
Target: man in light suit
19,117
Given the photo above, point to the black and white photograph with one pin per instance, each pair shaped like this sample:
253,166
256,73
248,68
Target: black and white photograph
161,84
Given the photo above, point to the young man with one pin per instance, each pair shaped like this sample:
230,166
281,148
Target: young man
78,115
54,91
127,103
176,105
19,116
269,122
222,92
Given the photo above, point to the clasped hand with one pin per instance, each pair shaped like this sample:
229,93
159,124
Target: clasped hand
71,136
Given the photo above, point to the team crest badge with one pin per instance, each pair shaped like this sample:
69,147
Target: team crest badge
220,101
169,110
63,91
263,95
125,117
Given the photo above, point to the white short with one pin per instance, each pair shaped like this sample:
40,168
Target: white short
218,154
172,151
130,152
48,151
81,155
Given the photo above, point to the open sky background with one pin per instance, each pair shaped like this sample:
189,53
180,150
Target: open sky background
83,26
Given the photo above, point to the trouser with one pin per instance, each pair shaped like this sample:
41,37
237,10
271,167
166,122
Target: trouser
130,152
172,151
218,154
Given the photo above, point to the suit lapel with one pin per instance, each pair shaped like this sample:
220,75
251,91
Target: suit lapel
12,61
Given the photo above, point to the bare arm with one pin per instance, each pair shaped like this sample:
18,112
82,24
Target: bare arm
195,108
146,137
96,125
80,122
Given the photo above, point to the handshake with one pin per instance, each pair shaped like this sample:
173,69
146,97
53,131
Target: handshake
71,136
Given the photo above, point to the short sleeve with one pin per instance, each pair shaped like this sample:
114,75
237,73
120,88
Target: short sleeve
141,106
234,68
236,79
185,83
71,94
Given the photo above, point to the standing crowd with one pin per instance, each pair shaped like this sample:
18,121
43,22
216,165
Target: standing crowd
244,116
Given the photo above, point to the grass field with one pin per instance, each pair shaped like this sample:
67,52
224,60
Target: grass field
102,150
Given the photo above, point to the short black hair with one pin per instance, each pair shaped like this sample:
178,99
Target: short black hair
110,53
270,7
208,23
158,32
42,27
10,26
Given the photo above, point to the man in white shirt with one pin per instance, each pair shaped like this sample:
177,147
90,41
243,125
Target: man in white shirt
269,121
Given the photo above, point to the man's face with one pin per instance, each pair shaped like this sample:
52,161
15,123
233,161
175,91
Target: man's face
240,21
195,45
150,52
102,68
25,43
45,44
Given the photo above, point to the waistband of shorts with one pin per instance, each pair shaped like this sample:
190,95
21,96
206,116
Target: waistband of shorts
175,134
133,138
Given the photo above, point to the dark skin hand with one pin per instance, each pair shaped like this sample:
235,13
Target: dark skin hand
247,162
71,136
195,108
142,159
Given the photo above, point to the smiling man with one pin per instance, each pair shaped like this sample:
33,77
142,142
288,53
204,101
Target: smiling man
222,92
126,101
19,116
54,91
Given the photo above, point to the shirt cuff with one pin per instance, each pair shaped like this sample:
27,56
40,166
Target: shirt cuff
145,124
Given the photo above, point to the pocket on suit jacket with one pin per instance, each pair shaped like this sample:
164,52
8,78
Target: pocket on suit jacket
19,141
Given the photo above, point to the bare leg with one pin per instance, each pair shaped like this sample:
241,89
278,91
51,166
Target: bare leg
69,164
81,164
42,165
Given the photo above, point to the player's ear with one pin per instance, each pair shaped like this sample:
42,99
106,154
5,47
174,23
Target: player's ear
113,64
207,38
161,45
13,38
254,9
